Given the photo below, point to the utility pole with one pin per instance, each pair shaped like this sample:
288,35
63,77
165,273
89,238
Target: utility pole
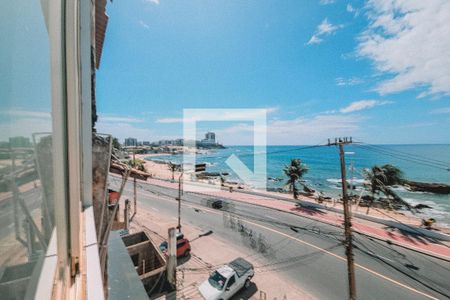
126,214
347,218
172,261
134,182
179,201
352,178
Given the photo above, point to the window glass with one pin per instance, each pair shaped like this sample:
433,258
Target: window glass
231,281
26,180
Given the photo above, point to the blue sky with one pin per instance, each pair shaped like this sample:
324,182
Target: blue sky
376,71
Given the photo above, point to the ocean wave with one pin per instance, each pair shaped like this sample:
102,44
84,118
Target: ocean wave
437,211
334,187
334,180
358,180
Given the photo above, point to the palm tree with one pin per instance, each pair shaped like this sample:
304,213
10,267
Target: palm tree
381,179
116,144
172,167
294,172
393,175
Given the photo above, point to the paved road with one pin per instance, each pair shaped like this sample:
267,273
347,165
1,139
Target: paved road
309,252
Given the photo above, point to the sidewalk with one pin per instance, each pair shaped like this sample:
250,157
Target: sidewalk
395,235
207,252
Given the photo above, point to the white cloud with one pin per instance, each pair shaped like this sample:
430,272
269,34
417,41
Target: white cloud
363,104
408,40
169,120
19,122
326,2
325,28
143,24
302,130
352,10
27,114
24,127
152,1
270,110
443,110
125,130
23,123
340,81
314,40
111,118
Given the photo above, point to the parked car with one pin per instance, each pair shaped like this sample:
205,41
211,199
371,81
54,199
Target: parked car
218,204
183,246
227,280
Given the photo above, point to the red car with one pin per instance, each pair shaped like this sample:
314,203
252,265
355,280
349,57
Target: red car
183,246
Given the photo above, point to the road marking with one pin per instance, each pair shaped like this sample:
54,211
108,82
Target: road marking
155,209
322,250
334,255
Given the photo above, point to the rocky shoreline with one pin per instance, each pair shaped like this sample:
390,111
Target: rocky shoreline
436,188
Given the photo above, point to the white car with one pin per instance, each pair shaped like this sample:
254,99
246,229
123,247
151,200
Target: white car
226,281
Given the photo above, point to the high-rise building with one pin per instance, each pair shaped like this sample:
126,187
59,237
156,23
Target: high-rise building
130,142
210,138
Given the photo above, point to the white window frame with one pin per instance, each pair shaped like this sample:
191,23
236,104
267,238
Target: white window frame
70,34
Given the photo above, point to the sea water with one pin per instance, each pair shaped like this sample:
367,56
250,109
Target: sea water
418,162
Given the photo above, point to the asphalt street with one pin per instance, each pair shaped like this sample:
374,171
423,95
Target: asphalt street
308,252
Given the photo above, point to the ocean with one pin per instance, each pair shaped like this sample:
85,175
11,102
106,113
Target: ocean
427,163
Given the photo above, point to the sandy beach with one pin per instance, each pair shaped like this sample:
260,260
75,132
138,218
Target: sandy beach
158,170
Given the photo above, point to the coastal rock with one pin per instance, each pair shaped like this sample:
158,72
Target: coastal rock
421,206
436,188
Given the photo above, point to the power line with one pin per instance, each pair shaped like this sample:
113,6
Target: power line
430,284
402,157
415,156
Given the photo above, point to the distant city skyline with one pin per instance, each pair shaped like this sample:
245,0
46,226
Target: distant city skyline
209,139
320,69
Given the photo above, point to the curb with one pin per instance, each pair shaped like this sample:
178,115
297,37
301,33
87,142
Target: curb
425,252
411,228
418,250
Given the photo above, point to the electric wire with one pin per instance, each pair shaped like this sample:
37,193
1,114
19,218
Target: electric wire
403,157
415,276
399,152
292,261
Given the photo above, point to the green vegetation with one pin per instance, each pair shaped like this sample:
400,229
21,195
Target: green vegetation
138,164
116,144
380,181
173,168
295,171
